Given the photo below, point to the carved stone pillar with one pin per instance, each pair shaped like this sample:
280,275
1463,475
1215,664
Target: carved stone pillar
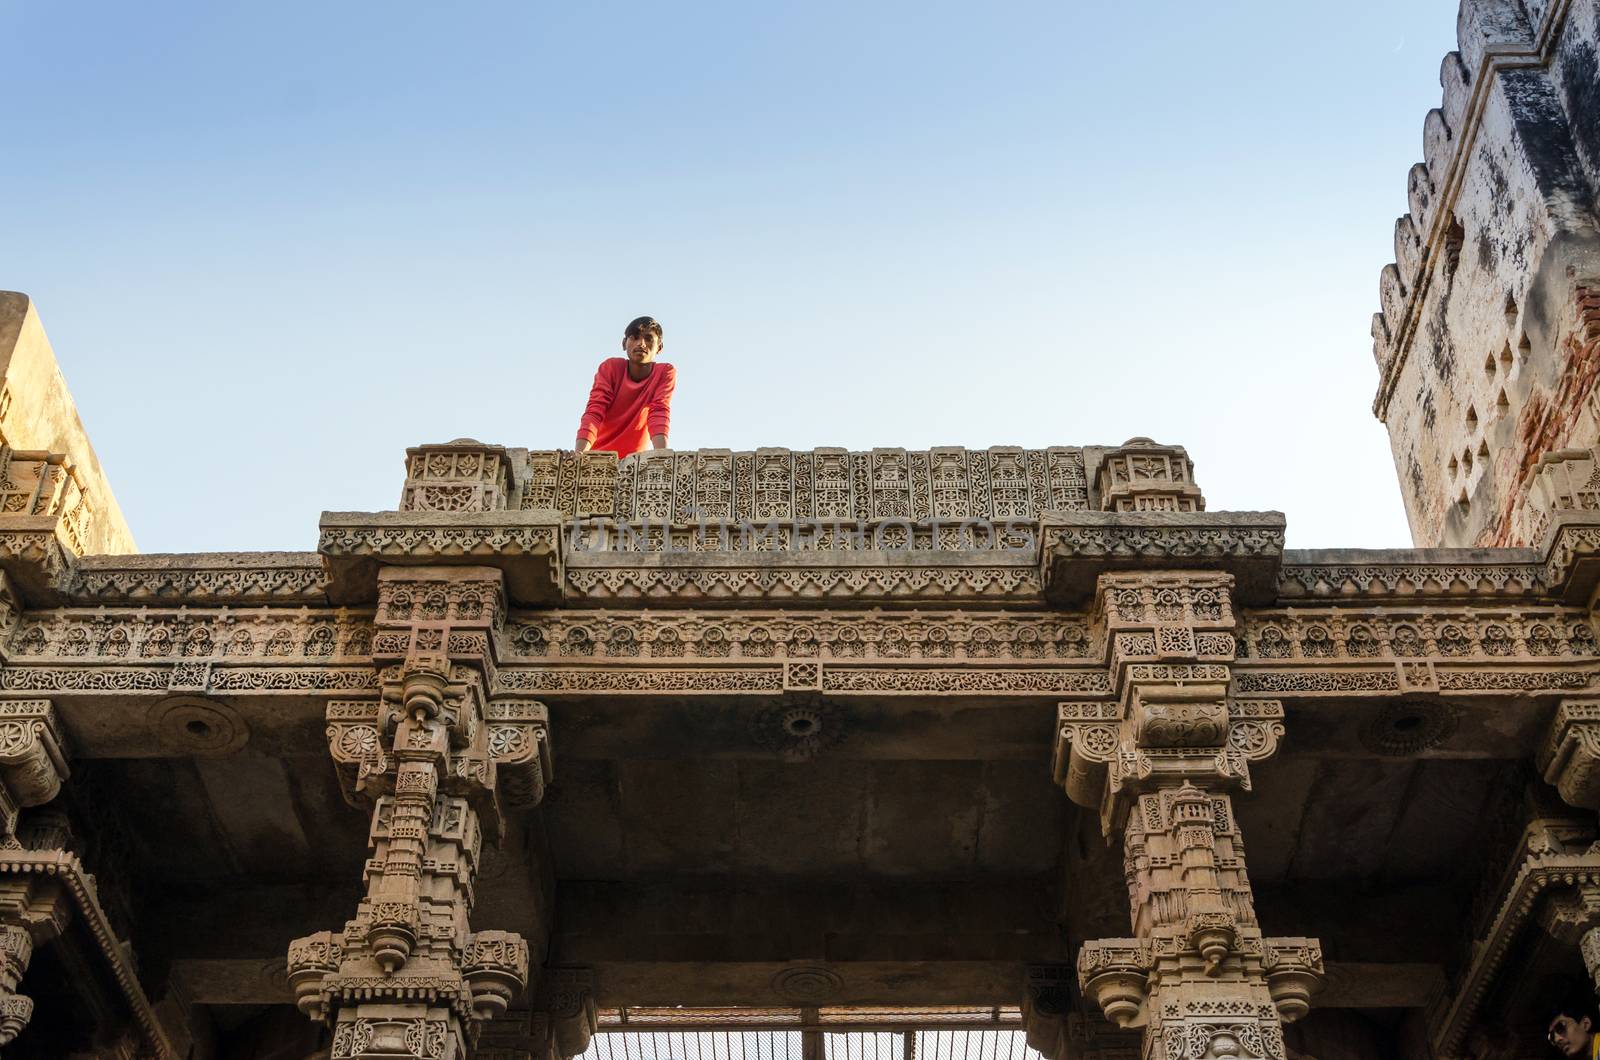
437,763
1159,763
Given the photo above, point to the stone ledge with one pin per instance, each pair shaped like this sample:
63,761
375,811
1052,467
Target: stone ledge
1075,548
525,545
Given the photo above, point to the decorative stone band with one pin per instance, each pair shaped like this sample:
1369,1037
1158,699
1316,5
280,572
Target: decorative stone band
1075,548
33,762
1354,576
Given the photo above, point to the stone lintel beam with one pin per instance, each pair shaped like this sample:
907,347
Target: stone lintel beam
524,545
1075,548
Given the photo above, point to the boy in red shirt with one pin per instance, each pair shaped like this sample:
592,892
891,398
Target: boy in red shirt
630,404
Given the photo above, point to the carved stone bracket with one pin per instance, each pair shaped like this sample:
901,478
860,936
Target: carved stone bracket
43,888
1046,1004
566,996
33,761
1569,758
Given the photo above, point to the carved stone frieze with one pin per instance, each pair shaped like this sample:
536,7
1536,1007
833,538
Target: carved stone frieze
693,581
1508,574
1485,634
221,634
235,579
564,636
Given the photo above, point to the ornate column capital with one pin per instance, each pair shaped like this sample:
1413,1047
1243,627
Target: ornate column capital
1169,642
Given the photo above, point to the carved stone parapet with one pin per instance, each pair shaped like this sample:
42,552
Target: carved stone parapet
1569,758
524,545
947,482
35,558
1076,548
35,482
33,761
460,476
1144,476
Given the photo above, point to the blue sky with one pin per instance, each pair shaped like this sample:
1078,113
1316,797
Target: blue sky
275,244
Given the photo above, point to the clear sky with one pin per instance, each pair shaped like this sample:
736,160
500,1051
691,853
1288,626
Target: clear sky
276,243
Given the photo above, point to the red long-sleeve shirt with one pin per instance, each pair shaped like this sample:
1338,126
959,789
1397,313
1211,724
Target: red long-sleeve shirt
622,414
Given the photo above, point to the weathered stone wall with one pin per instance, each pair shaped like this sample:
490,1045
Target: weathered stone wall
1488,342
37,414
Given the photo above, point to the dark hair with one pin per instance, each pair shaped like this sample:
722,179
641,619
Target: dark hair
643,325
1576,1007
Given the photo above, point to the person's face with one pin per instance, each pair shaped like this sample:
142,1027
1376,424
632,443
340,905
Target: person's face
642,348
1569,1036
